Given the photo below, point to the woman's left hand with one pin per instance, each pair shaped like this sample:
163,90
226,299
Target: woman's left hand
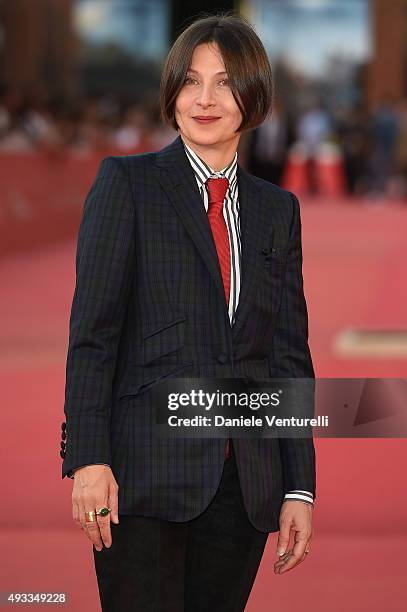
295,516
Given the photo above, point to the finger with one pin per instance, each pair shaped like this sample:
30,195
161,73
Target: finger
294,557
85,530
293,560
282,562
75,514
287,552
305,555
284,558
104,529
302,559
113,501
284,537
302,539
91,528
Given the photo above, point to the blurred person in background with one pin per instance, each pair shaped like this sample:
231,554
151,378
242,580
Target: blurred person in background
13,137
268,146
38,122
384,125
179,274
400,186
354,138
134,131
5,118
93,128
314,128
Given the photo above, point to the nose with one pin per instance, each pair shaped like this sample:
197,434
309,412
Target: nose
206,96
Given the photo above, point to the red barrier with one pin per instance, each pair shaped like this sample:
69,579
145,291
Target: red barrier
295,176
330,173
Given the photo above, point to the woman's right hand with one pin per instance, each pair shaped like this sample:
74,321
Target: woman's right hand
95,487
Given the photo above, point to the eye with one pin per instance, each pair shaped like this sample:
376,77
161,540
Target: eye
225,81
188,80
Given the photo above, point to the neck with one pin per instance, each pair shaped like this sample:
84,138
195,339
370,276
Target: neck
216,156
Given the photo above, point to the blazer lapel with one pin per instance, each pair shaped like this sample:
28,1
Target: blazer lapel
178,181
181,187
256,234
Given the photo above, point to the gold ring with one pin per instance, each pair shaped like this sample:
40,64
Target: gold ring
90,516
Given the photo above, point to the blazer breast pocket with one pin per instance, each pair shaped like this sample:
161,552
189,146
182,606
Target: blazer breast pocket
164,343
274,260
271,281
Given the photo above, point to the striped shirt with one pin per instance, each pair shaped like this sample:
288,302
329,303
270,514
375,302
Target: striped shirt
202,172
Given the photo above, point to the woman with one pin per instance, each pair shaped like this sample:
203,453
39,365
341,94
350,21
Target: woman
187,266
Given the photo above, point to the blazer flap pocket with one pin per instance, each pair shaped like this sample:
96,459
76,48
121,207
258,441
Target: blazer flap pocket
139,388
136,389
163,340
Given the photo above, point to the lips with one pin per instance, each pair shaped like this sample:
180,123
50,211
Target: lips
205,120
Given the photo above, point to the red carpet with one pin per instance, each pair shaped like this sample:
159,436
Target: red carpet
354,269
356,573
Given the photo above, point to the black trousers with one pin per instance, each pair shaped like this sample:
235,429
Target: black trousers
208,563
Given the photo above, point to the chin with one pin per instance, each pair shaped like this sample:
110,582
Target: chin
205,136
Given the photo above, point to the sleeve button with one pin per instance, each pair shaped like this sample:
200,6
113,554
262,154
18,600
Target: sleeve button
222,358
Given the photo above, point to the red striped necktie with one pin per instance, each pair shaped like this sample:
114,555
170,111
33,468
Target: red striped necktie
217,188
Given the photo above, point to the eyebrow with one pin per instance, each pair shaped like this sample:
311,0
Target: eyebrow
196,71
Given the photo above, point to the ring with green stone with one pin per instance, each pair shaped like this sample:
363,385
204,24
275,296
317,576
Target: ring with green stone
103,511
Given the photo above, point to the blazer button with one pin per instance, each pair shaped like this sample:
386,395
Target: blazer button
222,358
62,453
63,445
63,426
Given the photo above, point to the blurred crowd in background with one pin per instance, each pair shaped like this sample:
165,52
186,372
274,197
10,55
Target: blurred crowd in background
370,142
85,80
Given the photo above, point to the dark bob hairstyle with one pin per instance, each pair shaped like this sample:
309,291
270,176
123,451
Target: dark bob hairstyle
245,60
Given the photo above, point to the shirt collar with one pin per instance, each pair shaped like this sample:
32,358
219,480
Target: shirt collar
203,171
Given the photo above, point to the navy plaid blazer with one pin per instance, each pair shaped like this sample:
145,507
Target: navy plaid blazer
149,303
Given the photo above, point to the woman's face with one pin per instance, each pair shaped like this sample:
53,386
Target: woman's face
206,93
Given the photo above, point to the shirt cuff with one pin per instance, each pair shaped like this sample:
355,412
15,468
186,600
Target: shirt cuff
72,472
300,495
